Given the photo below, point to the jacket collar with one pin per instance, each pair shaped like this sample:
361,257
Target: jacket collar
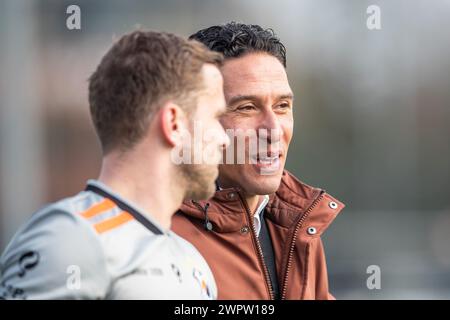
226,210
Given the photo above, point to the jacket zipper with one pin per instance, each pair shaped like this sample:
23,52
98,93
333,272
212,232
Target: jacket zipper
294,238
258,245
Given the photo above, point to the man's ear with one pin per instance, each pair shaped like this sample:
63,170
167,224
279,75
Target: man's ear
172,123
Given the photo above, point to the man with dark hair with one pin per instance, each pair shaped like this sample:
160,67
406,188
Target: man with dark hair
113,240
260,233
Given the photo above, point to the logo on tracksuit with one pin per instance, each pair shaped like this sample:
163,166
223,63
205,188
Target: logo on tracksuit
205,290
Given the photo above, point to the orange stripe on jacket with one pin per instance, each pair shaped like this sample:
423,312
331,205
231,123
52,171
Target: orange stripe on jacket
98,208
113,222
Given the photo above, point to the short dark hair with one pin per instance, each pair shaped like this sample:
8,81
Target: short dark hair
237,39
136,76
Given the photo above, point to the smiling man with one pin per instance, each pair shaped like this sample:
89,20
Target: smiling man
260,233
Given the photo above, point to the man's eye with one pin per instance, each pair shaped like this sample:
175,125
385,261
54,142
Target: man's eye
245,108
284,106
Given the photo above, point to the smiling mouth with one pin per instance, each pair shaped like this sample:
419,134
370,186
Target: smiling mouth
269,162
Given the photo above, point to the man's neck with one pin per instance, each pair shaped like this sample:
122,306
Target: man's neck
253,202
148,188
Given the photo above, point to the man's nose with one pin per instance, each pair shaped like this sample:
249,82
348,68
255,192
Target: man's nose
271,127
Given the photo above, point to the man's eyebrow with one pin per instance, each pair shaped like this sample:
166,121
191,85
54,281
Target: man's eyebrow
238,98
287,96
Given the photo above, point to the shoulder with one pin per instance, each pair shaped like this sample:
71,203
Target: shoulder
57,220
45,249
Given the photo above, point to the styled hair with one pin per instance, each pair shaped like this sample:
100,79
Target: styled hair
237,39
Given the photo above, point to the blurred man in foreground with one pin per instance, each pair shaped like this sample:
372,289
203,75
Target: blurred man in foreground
113,240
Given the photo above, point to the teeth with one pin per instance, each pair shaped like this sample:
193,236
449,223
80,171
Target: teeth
264,159
267,160
270,158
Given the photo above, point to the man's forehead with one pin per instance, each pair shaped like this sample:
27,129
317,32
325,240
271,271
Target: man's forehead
257,90
212,81
255,75
211,73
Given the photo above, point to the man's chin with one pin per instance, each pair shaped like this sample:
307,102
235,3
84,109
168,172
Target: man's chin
201,182
264,184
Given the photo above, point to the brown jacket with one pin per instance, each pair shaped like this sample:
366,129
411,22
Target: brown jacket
296,216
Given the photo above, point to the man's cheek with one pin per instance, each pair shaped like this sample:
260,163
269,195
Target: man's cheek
226,123
288,130
235,121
